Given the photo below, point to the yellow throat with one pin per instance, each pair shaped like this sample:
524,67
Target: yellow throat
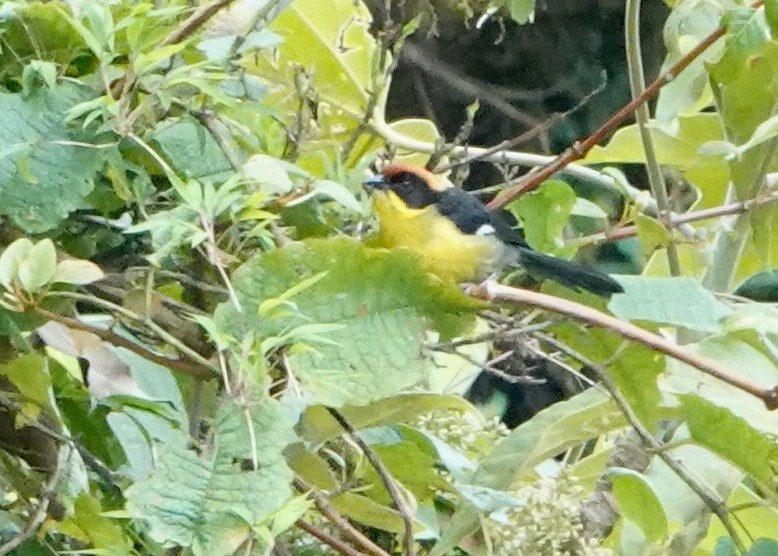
445,250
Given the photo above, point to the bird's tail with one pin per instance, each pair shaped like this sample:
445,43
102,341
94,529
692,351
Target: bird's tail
567,273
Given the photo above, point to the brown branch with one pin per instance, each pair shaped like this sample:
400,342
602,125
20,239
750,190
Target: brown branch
710,498
192,23
391,485
624,232
334,517
579,150
492,290
335,544
192,369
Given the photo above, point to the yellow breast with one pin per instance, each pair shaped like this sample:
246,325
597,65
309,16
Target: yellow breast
445,250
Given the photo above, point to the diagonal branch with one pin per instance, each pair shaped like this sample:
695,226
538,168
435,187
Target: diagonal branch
492,290
579,150
391,485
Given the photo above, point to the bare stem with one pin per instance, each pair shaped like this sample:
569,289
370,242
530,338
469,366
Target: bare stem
391,485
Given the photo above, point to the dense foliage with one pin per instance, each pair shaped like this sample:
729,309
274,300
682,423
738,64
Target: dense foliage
200,353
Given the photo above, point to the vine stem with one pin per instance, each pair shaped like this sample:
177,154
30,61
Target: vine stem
637,83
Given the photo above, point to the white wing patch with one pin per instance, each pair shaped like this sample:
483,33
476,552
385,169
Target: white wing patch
485,230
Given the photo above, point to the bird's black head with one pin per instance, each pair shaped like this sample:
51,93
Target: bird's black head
417,187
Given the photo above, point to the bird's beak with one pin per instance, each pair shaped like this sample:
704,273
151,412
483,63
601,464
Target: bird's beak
376,182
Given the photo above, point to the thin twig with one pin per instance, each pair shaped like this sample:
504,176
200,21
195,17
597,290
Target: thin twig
332,542
579,150
489,367
709,497
391,485
624,232
492,290
160,332
527,135
192,369
192,23
334,517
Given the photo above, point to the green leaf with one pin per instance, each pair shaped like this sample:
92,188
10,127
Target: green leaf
522,11
759,518
36,30
88,525
38,267
336,192
210,501
675,301
416,129
550,432
369,512
652,233
545,213
620,358
638,502
764,132
748,93
771,13
191,150
29,374
687,24
714,427
39,187
383,300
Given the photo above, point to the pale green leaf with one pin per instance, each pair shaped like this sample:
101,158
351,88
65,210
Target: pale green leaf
78,272
638,502
38,267
765,131
522,11
268,173
11,258
675,301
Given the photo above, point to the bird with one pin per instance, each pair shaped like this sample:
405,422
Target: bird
458,238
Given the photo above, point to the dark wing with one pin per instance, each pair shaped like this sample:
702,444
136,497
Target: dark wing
470,216
464,210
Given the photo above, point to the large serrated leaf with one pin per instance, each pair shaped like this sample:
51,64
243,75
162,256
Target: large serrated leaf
210,501
382,301
43,180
